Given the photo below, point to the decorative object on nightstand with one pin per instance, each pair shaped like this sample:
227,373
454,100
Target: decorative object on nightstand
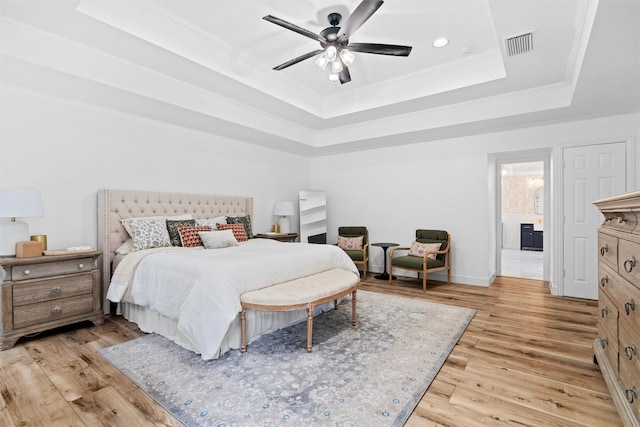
17,203
283,209
47,292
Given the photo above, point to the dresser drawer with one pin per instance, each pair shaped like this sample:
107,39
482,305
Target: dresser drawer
48,269
623,221
608,328
609,283
53,310
630,384
629,260
608,250
44,290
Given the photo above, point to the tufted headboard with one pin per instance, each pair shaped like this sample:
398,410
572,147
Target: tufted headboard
114,205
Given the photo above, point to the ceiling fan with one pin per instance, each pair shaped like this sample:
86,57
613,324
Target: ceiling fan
336,50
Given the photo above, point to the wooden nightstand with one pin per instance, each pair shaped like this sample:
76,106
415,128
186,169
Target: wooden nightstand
281,237
46,292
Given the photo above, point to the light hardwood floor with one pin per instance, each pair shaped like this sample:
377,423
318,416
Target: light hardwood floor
524,360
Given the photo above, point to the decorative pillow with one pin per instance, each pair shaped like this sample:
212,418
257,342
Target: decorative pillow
148,233
189,236
218,239
211,222
350,243
419,249
244,220
125,222
238,231
172,228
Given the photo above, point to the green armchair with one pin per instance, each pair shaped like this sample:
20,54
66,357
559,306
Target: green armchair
359,256
430,252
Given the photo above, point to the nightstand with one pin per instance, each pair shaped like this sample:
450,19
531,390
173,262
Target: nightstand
46,292
281,237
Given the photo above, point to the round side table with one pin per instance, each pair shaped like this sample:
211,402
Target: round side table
384,246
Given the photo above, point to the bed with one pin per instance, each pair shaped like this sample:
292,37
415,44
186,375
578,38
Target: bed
207,282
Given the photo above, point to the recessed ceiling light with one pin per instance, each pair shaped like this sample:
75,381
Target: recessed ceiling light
441,42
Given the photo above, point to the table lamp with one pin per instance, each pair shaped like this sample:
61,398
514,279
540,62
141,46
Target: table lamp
17,203
283,210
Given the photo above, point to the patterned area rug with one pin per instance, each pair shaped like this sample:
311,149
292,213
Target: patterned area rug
373,374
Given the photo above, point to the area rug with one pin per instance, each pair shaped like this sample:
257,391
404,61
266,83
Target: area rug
373,374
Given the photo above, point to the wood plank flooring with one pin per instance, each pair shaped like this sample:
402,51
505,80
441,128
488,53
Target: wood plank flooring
524,360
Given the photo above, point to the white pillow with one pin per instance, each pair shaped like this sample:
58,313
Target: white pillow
211,222
218,239
126,247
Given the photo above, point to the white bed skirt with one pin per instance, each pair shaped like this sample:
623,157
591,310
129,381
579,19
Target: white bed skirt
258,323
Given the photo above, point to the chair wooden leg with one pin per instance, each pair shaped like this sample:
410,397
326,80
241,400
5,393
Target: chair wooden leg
243,329
390,272
424,281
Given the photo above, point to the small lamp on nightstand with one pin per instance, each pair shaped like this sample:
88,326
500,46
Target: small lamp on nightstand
17,203
283,210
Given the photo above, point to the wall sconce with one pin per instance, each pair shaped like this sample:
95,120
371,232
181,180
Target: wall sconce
17,203
283,210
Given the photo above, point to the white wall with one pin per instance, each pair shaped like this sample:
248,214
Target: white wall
70,150
441,184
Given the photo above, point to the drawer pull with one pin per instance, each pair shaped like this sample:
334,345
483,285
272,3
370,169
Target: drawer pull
632,394
604,342
630,351
27,272
604,249
631,262
604,311
56,311
604,281
629,306
56,290
80,265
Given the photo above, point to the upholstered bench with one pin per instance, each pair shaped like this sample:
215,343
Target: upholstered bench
304,293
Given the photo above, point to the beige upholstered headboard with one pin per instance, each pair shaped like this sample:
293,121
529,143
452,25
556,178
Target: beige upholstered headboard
114,205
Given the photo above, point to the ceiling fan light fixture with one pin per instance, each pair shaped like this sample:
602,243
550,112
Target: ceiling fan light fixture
334,77
336,66
322,62
331,53
440,42
347,57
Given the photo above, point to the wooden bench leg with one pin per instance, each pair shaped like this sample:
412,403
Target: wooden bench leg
353,308
309,327
243,328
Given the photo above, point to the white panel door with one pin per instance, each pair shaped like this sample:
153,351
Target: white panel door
590,173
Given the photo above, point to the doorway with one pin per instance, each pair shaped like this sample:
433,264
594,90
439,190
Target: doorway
522,219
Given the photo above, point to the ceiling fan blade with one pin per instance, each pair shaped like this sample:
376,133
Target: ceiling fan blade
345,76
380,49
298,59
293,27
359,16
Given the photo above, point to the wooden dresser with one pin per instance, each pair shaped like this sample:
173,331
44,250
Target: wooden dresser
47,292
617,348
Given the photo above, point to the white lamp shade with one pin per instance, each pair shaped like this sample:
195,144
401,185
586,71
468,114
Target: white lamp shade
20,203
283,208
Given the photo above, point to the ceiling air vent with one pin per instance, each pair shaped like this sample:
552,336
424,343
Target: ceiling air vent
520,43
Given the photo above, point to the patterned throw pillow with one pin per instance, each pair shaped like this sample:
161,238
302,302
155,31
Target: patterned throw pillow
419,249
244,220
172,228
148,232
189,236
238,231
350,243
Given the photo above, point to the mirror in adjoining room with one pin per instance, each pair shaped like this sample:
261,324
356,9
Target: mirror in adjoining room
313,216
522,220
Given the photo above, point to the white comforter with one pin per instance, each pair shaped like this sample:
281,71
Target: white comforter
201,288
